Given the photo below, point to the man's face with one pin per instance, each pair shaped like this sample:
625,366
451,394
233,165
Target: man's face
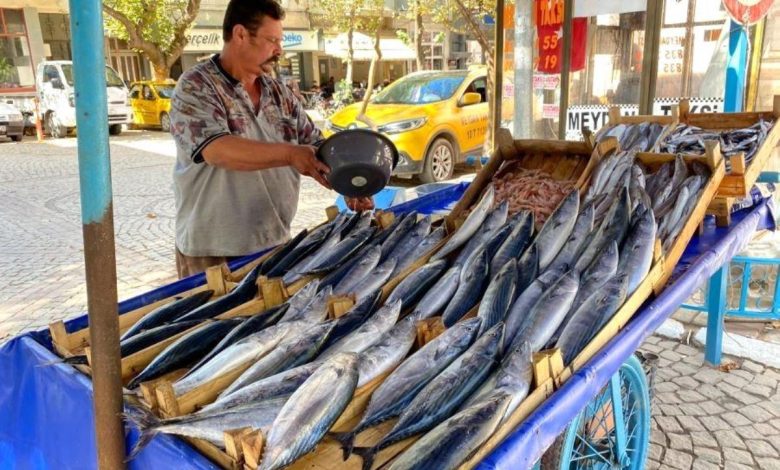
264,46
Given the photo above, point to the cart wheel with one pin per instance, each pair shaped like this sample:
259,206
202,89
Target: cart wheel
613,431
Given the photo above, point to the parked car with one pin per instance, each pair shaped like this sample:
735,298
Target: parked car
151,103
54,81
435,118
11,122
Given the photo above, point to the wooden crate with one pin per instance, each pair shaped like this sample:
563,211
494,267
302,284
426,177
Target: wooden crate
669,122
742,177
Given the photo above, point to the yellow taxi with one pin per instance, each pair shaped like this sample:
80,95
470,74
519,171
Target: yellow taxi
151,103
435,118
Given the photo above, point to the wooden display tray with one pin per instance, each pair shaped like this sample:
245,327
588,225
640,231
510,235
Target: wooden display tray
669,122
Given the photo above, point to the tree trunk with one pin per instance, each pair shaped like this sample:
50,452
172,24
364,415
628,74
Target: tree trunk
350,55
418,35
371,80
161,70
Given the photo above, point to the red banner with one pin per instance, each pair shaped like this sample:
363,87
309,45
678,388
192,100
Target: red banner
747,12
549,30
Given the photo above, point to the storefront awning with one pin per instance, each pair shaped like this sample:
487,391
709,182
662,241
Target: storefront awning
363,47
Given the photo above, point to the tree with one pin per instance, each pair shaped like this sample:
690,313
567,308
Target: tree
155,28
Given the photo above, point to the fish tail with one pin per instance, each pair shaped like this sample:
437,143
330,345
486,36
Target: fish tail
146,424
76,360
367,454
347,441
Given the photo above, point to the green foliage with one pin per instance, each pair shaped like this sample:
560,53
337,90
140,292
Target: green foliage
403,36
6,70
157,21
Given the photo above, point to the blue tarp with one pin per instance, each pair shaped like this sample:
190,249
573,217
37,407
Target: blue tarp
46,410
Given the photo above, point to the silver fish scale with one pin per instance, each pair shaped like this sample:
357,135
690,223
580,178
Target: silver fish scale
498,296
388,352
557,228
311,411
438,295
368,333
358,272
470,225
548,313
375,279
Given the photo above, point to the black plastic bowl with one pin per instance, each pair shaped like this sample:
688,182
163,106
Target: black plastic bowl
361,161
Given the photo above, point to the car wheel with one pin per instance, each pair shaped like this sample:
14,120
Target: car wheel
17,138
165,122
439,162
115,129
55,128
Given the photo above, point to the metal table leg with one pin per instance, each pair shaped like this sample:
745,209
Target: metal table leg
716,309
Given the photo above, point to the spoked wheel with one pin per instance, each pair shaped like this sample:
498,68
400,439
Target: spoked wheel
613,431
165,122
439,162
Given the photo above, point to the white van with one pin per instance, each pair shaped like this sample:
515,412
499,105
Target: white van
54,81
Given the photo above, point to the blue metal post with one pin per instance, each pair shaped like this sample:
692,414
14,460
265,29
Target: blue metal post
86,24
736,69
716,310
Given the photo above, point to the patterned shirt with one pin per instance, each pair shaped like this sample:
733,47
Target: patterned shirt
222,212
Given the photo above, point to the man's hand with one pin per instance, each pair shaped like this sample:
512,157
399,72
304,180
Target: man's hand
360,204
303,158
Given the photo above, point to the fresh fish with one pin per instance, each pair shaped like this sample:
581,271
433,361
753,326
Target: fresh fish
439,295
185,351
416,284
636,255
547,314
449,444
515,244
659,179
591,317
557,228
525,302
167,313
314,312
368,333
425,246
399,388
365,265
398,234
600,176
300,300
244,292
294,350
386,353
385,233
568,254
612,228
492,245
437,400
498,296
355,317
305,265
413,237
375,280
243,352
342,251
473,277
281,385
207,426
669,220
141,341
515,375
494,220
310,412
273,260
527,270
470,225
311,243
248,327
675,230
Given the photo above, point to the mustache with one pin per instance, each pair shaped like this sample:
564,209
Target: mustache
274,59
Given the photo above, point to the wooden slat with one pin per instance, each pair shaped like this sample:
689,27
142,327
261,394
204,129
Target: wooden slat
273,291
338,305
214,453
252,445
428,329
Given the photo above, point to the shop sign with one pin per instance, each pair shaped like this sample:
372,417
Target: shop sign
546,82
550,111
663,106
747,12
210,40
592,117
671,52
549,30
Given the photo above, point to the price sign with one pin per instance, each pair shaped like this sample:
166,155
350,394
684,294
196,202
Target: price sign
549,29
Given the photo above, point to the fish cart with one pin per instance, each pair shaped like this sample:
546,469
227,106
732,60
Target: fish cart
48,417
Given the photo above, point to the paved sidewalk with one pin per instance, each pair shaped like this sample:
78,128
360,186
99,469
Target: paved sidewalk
41,266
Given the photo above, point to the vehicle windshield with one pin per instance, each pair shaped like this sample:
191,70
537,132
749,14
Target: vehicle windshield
165,91
112,79
420,89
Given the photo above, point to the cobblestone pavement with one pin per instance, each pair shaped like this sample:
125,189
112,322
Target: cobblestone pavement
703,417
41,245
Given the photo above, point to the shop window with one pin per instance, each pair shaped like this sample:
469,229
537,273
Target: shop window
16,70
709,11
676,12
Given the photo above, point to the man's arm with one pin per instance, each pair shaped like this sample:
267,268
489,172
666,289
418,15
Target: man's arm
241,154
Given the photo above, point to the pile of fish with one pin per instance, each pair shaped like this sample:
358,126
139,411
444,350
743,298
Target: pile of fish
532,190
642,137
671,192
503,289
690,140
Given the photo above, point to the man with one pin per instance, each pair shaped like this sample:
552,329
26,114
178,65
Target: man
242,141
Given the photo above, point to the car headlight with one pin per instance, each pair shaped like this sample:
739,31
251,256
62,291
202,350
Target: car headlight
72,100
402,126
